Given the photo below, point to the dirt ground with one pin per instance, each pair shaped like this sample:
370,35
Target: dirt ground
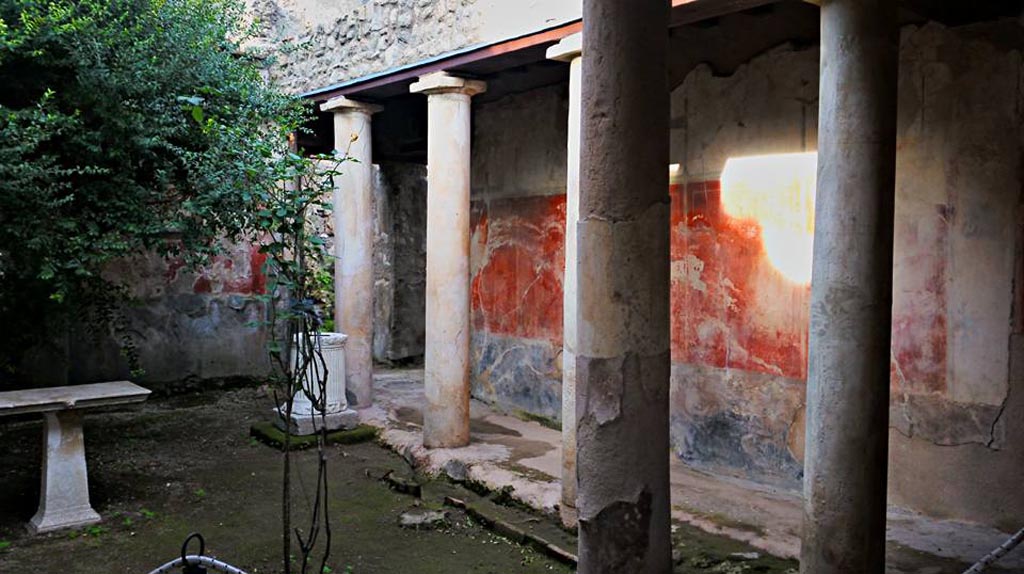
186,463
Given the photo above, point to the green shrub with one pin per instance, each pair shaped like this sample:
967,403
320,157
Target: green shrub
126,126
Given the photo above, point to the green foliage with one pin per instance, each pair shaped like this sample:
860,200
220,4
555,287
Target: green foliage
130,127
127,127
295,297
96,530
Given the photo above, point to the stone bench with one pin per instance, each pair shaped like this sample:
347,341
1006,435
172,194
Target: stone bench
64,497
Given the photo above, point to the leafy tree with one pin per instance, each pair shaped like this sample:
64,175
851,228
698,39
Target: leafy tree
126,126
131,126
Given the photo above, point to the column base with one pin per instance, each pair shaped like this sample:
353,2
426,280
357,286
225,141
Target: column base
50,520
569,515
307,424
64,493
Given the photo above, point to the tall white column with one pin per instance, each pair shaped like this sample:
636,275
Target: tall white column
353,242
446,362
570,50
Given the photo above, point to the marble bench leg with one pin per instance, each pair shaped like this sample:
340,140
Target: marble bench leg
64,497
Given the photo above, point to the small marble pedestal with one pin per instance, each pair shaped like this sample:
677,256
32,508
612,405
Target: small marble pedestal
64,498
305,418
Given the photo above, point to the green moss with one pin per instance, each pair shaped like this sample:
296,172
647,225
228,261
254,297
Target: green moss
269,434
726,522
541,419
527,472
696,551
506,497
474,486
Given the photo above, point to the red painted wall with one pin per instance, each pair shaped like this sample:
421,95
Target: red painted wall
919,304
730,307
718,274
238,271
518,256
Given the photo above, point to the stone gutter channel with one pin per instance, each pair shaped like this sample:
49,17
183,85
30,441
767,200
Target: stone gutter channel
507,454
520,460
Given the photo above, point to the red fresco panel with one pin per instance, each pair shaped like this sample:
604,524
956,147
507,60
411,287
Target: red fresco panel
919,304
720,282
519,256
730,307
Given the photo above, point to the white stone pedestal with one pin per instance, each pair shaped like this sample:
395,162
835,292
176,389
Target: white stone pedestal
306,419
64,498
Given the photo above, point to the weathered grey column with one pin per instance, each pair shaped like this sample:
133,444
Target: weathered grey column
570,50
622,363
353,243
851,291
446,361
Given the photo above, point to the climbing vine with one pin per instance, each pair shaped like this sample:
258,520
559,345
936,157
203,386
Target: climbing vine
296,257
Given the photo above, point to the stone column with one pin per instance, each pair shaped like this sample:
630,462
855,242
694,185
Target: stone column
570,50
64,494
622,363
851,291
446,361
353,242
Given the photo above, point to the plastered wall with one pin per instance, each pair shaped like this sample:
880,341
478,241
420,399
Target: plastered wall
517,250
956,242
191,328
739,326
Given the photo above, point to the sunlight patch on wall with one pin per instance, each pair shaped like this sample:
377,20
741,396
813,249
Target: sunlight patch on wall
777,191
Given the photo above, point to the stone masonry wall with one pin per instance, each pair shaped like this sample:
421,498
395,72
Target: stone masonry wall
317,43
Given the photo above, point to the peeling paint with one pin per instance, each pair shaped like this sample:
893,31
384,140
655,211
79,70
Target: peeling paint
188,325
620,533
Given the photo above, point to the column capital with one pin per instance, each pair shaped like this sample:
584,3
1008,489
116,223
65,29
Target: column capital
568,49
344,104
445,83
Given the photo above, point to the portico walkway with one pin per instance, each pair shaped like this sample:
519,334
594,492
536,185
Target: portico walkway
506,451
